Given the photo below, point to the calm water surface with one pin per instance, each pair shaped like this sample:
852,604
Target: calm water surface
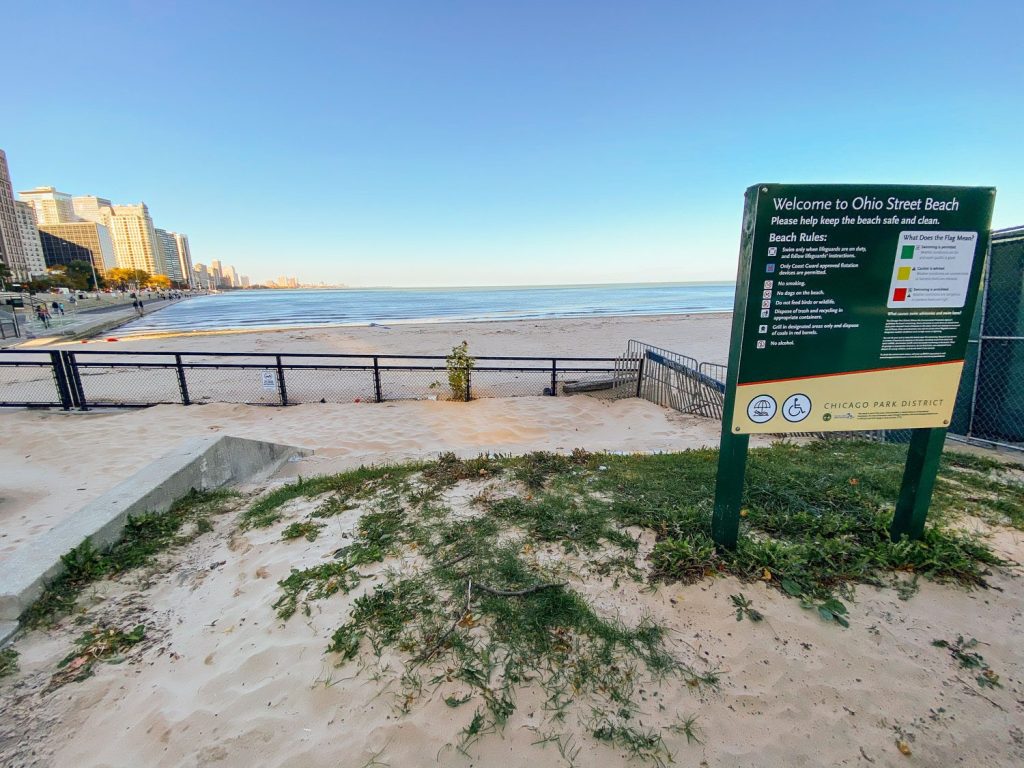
282,309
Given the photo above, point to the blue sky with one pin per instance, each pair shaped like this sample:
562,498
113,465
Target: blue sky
483,143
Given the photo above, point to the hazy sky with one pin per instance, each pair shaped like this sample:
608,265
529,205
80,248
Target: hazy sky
485,142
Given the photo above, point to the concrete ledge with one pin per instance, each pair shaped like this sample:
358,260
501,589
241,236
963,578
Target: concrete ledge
203,463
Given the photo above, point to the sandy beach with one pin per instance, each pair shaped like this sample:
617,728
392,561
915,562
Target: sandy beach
222,681
704,337
72,458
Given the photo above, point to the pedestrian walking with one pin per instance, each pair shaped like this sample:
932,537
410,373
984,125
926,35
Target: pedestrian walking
43,315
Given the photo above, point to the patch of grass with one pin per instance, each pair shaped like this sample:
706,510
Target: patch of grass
305,529
143,537
564,518
534,469
817,517
449,469
479,610
638,741
688,559
385,616
378,535
8,662
358,483
314,583
97,644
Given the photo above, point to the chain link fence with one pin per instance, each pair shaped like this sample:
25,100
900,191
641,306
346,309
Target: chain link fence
990,403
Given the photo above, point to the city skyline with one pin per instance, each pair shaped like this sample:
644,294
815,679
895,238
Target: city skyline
57,227
509,144
60,228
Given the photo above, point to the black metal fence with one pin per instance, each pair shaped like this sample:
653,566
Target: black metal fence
98,379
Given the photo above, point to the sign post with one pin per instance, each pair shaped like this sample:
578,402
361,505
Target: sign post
852,312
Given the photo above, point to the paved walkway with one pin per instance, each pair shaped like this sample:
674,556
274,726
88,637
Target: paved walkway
75,325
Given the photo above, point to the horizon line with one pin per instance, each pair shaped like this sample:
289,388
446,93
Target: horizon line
509,285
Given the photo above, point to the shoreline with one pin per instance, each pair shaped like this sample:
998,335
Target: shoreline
148,335
703,336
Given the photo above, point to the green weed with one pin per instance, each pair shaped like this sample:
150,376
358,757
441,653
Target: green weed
962,651
97,644
361,483
143,537
305,529
744,608
8,662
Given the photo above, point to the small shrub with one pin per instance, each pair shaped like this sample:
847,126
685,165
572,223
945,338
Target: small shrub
459,364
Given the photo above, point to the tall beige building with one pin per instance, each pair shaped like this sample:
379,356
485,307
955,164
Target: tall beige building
51,206
134,236
136,245
201,277
35,262
91,208
185,254
12,251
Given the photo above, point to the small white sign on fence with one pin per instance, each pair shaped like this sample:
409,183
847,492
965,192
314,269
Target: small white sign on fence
269,380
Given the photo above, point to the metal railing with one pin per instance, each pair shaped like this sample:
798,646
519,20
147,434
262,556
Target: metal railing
104,379
676,381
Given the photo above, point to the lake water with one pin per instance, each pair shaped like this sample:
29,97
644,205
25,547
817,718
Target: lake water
281,309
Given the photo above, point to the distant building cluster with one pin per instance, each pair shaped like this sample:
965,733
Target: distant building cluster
218,276
44,228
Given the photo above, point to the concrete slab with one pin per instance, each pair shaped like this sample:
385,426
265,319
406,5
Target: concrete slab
203,463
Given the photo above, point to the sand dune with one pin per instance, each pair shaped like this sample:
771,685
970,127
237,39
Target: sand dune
223,682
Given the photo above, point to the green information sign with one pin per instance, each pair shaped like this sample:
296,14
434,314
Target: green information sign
852,312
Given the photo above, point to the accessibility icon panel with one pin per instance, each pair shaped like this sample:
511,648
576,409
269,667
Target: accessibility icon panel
796,408
761,409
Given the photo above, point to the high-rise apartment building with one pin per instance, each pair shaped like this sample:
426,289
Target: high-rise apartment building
78,241
169,255
202,278
12,252
185,254
35,262
134,237
245,282
51,206
92,208
216,273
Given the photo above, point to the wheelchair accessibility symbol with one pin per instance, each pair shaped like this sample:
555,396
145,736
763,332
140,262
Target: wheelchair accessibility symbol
796,408
761,409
